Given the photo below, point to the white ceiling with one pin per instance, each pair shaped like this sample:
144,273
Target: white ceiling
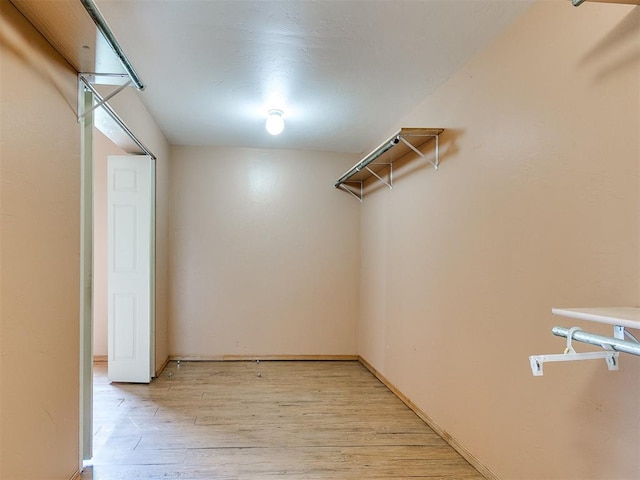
343,71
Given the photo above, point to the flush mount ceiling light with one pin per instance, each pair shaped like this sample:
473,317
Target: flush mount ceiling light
275,123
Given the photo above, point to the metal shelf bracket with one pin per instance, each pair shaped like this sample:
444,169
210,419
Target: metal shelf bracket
359,196
85,81
435,164
90,78
390,182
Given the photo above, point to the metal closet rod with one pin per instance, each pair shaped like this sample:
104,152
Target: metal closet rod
393,141
593,339
108,35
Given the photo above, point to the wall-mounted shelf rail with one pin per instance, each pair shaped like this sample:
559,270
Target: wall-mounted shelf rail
577,3
401,143
622,341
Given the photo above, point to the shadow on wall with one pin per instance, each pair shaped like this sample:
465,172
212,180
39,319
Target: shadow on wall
30,56
411,163
618,50
603,402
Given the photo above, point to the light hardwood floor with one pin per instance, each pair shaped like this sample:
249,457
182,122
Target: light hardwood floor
268,420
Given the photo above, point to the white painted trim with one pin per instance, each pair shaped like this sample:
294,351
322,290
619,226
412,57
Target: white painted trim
85,431
248,358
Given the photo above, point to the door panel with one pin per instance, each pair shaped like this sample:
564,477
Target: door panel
130,208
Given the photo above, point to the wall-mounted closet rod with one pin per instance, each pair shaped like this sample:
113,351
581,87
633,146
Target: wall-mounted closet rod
577,3
111,112
368,159
108,35
593,339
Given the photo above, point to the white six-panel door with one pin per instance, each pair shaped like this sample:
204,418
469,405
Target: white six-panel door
130,322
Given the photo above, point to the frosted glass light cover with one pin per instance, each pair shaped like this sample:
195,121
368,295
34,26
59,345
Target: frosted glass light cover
275,122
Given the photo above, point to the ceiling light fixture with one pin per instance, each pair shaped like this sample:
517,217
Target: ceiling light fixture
275,123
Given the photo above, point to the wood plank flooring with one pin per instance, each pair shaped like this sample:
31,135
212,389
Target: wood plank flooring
268,420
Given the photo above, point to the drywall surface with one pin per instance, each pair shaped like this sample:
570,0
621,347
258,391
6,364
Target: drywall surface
130,108
40,254
264,253
536,205
102,148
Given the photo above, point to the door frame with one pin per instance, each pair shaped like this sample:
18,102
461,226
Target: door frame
85,101
87,96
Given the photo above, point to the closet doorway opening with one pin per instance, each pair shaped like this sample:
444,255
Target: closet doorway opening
117,253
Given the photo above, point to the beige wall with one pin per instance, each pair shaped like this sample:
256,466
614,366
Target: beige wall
264,253
40,248
102,148
536,205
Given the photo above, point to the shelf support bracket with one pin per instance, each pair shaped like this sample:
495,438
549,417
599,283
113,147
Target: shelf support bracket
629,336
435,164
390,182
84,83
103,100
351,192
